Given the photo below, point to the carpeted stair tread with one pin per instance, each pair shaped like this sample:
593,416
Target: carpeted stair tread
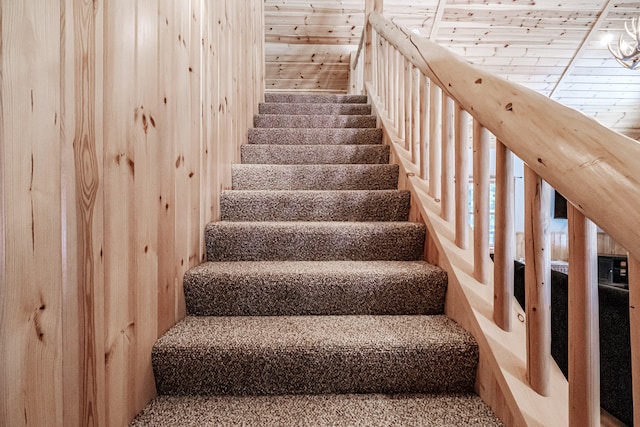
314,177
315,205
314,354
326,410
314,241
311,136
313,108
313,121
269,288
315,98
314,154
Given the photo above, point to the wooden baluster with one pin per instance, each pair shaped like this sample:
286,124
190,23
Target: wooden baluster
415,116
382,76
481,167
462,124
374,64
448,142
634,330
378,62
504,245
424,126
537,280
408,142
388,80
435,139
584,335
400,94
394,87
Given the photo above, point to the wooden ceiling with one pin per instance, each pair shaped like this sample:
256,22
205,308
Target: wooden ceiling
552,46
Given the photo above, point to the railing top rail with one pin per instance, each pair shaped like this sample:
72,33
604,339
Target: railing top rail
595,168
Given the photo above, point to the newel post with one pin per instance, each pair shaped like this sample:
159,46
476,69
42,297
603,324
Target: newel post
369,6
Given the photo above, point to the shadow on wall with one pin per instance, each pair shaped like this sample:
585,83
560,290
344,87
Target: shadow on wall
615,343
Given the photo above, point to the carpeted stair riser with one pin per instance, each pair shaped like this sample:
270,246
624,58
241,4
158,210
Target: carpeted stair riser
314,288
323,410
314,354
313,121
314,177
318,205
321,99
314,154
314,241
318,109
321,136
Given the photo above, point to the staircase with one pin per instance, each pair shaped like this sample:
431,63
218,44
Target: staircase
315,307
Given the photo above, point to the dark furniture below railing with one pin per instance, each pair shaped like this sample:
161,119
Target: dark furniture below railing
615,344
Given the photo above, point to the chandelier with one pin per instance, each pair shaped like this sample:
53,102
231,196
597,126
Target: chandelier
627,51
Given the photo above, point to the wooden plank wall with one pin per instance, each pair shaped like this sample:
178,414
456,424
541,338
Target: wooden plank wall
118,123
308,44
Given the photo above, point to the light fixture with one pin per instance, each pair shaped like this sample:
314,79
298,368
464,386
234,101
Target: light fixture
627,52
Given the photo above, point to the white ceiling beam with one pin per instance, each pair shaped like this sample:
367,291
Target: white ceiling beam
437,19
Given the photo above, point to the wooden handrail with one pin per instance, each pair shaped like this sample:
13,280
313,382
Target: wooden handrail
568,153
558,145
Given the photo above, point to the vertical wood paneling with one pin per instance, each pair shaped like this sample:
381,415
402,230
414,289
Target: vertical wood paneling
31,232
118,123
119,221
144,241
82,164
169,89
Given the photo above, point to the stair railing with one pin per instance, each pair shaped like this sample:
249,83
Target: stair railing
430,103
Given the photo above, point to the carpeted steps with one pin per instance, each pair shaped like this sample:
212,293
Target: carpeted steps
314,306
314,241
314,177
314,154
314,288
313,108
249,355
325,136
313,121
315,99
319,205
322,410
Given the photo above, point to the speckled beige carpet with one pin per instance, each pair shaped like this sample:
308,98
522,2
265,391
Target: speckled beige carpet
314,307
331,410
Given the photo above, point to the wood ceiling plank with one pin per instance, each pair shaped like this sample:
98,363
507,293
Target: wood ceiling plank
590,35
